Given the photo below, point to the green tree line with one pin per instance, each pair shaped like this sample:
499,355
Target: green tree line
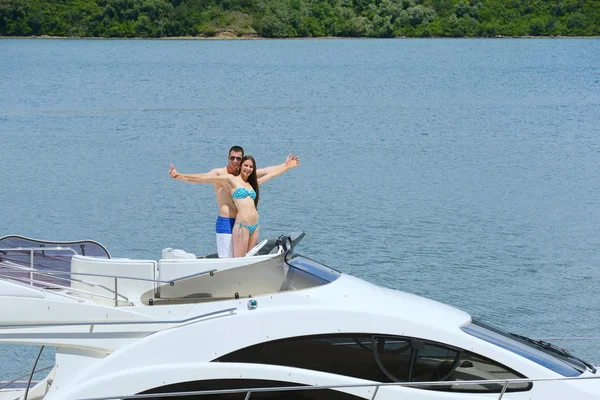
300,18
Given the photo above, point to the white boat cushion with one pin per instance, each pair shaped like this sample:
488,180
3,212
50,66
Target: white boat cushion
175,254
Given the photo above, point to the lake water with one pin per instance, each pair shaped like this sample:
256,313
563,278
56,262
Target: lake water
463,170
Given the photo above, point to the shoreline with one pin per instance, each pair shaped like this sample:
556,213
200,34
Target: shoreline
232,36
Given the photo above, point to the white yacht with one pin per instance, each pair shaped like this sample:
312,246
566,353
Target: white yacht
274,324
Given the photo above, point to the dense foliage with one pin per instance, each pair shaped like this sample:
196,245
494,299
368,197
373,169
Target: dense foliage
299,18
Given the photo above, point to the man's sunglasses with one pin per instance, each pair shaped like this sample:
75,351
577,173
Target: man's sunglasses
233,158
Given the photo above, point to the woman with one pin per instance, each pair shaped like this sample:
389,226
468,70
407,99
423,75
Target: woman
245,194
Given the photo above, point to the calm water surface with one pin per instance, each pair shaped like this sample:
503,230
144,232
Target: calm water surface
463,170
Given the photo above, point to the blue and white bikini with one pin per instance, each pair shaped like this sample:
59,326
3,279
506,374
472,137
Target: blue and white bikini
242,193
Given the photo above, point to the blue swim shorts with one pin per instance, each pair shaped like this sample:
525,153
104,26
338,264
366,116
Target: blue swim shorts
225,225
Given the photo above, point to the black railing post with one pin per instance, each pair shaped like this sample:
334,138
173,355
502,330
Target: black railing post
32,372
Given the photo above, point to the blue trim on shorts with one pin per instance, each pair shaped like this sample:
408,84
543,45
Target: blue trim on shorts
225,225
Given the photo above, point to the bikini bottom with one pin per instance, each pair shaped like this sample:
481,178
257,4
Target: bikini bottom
251,228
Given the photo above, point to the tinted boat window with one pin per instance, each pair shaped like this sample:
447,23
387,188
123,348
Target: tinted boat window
526,348
342,355
473,367
415,360
394,355
382,359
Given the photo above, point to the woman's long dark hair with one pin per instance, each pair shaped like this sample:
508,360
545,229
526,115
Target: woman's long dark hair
252,180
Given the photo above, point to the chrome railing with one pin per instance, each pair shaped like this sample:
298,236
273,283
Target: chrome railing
71,289
4,385
249,391
57,274
32,251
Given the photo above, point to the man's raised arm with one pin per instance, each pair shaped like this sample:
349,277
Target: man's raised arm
208,177
289,163
279,169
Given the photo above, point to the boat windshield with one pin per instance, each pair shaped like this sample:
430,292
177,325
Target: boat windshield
538,351
311,269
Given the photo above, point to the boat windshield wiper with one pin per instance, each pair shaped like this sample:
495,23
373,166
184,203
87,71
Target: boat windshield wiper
550,347
545,345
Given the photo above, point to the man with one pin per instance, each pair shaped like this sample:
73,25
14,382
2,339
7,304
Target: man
227,210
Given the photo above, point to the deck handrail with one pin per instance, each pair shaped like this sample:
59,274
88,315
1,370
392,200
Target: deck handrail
249,391
58,273
32,251
115,277
57,286
231,310
59,242
38,249
7,384
12,266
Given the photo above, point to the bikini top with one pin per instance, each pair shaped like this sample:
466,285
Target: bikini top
242,193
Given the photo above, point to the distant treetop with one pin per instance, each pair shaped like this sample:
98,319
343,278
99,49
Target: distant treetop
299,18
